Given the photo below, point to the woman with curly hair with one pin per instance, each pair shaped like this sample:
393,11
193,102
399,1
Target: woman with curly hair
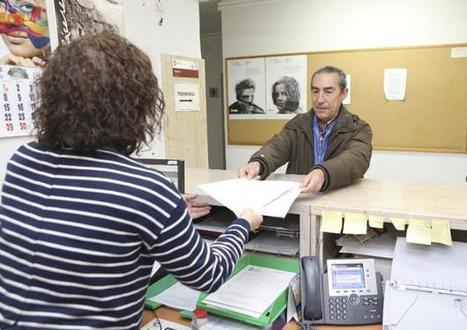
81,222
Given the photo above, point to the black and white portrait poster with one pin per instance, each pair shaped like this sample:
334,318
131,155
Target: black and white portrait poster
286,86
246,89
76,18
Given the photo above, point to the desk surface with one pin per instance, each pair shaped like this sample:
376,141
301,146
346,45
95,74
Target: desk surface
174,316
422,200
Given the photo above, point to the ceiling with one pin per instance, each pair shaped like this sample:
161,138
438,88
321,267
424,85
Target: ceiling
209,17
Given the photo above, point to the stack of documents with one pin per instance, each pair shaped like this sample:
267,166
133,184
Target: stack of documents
251,291
272,198
381,246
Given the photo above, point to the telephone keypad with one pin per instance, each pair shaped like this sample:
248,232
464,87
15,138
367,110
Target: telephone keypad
342,309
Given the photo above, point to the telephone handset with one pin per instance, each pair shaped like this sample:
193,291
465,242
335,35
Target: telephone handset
350,293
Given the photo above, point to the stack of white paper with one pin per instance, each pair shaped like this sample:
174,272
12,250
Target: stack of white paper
251,291
272,198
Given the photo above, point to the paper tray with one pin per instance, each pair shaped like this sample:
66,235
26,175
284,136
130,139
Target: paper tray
156,288
268,317
276,308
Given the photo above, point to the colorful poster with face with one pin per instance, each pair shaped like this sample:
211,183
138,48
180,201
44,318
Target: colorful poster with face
24,47
25,32
76,18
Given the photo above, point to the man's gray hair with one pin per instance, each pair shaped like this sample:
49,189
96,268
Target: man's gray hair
333,69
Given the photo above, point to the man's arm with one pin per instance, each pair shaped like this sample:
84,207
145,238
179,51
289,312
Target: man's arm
273,154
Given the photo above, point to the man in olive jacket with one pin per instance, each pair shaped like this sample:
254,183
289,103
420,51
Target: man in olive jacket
328,144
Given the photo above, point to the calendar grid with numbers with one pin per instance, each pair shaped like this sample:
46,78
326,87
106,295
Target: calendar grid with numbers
17,100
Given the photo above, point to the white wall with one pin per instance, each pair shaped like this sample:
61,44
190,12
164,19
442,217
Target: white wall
260,27
178,35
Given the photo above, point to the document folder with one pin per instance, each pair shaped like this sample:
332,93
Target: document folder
265,320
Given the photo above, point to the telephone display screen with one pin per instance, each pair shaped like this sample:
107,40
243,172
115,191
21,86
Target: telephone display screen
348,276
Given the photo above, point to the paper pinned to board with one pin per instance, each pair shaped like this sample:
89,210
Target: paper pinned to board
269,197
441,232
419,231
354,223
395,82
331,222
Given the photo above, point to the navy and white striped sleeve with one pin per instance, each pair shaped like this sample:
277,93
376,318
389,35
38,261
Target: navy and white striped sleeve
181,251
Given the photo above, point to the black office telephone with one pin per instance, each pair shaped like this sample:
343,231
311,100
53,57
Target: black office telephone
350,293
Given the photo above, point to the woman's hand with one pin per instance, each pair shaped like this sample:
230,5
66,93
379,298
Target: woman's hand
254,219
196,209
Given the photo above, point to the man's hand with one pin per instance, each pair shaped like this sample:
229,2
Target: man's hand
250,171
196,209
313,181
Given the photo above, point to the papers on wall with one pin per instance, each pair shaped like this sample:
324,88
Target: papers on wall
395,82
270,197
346,101
186,97
458,52
178,296
18,100
251,291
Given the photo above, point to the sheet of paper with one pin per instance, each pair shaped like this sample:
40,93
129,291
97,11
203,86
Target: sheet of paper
251,291
331,222
164,324
155,267
381,246
294,305
395,82
441,232
419,232
354,223
399,223
347,99
376,221
435,266
178,296
269,197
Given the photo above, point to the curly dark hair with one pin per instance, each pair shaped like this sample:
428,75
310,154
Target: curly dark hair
99,91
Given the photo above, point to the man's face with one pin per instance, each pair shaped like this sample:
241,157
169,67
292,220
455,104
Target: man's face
326,96
247,95
280,97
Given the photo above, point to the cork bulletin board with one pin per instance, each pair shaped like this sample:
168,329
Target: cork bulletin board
431,118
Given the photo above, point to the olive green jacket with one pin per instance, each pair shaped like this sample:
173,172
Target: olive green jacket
347,157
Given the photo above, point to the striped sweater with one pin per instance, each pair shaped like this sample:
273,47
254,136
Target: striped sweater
79,235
